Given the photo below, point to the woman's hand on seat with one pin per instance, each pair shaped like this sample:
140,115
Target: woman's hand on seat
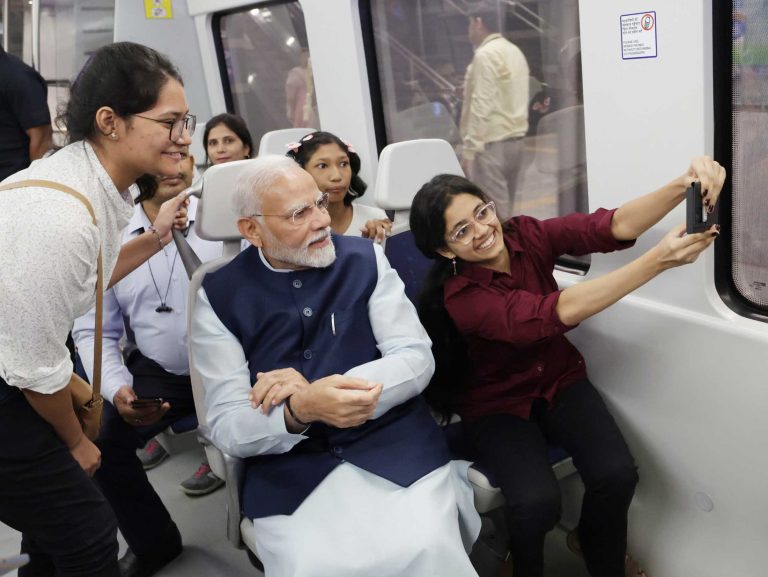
377,229
172,214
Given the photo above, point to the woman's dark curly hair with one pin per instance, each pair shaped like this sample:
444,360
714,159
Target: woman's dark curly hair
307,146
427,223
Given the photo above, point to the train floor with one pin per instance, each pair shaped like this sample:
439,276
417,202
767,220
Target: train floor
207,553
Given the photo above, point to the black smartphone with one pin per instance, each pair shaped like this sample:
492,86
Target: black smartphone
146,403
698,218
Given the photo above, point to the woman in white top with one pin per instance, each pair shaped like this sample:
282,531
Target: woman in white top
127,118
335,165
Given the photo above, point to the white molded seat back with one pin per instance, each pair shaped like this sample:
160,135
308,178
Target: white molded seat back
217,220
276,141
404,167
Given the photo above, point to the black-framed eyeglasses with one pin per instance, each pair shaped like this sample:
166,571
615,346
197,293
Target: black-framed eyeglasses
464,234
176,127
302,214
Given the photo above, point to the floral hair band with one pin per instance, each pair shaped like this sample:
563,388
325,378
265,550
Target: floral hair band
349,146
295,146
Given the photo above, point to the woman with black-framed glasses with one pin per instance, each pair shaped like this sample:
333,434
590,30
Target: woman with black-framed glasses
49,248
498,320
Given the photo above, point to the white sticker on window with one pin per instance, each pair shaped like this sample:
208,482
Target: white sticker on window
638,35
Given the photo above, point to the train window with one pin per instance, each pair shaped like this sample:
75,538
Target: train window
520,133
63,54
266,68
60,53
741,108
514,114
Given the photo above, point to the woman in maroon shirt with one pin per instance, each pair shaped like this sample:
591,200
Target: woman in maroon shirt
497,320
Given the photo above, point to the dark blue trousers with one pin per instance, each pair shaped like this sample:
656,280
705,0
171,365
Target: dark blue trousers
141,516
67,526
515,451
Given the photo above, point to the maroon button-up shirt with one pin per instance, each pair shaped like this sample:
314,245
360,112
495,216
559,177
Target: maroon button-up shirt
516,341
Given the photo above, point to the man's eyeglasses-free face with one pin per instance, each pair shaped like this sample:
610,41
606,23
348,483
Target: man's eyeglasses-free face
302,214
464,234
176,127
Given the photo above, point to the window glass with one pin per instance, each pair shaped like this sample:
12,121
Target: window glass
268,68
749,248
507,95
64,53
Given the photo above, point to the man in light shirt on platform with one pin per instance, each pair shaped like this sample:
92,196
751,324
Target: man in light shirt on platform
313,361
494,116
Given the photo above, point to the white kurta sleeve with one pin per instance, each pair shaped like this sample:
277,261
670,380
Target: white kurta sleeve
114,373
237,428
406,364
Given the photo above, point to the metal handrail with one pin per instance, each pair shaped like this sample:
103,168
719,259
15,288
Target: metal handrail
530,13
414,59
189,257
36,35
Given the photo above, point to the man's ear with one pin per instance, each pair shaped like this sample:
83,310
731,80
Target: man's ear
250,230
446,253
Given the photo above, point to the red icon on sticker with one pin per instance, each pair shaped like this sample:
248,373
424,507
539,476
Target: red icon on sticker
647,22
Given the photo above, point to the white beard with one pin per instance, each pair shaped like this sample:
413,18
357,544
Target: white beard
304,256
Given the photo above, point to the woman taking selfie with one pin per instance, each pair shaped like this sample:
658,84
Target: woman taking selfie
498,320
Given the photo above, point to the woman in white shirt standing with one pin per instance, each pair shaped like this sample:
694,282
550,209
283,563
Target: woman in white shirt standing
127,118
335,166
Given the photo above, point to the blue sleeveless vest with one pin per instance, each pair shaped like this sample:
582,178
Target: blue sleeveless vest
316,321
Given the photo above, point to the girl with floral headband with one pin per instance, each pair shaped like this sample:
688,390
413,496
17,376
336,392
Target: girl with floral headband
335,165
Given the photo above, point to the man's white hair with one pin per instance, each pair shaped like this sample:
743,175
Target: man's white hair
256,179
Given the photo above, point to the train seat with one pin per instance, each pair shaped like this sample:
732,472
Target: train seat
276,141
415,163
403,168
217,221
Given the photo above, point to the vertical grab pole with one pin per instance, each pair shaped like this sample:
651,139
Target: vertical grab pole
36,34
6,15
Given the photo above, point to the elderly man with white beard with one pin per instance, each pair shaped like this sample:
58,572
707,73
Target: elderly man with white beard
313,361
